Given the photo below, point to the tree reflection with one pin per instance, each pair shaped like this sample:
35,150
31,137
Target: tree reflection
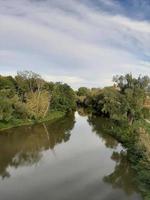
123,175
82,111
23,146
100,126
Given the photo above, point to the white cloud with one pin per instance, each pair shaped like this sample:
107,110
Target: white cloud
82,43
140,26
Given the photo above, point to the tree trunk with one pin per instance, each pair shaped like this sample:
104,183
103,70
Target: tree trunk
130,118
48,105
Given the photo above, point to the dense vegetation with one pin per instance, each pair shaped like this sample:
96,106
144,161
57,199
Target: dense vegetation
122,102
27,98
125,106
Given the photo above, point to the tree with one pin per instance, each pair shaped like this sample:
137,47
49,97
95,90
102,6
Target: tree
82,91
28,81
63,98
38,104
122,102
28,96
133,94
8,83
6,109
11,107
113,104
129,82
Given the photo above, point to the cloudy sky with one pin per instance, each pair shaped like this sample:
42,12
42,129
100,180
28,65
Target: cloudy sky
81,42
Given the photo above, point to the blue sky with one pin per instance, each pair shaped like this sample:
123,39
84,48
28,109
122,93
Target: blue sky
81,42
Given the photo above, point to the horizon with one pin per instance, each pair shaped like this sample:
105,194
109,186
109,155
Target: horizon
74,88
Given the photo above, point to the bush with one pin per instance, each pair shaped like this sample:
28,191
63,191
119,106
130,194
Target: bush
146,113
63,98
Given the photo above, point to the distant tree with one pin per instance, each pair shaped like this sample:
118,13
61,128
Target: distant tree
49,86
63,98
7,82
123,101
133,94
28,81
35,92
82,91
129,82
113,104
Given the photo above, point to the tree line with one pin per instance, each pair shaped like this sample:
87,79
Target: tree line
28,96
124,101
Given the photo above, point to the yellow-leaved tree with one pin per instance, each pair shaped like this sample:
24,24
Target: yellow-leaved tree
38,103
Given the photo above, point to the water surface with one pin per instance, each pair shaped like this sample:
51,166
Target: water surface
69,159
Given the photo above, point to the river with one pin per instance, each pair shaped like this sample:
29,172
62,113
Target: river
69,159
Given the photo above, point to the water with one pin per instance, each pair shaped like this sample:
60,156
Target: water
71,159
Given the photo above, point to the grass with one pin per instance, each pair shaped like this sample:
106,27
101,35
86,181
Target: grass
18,122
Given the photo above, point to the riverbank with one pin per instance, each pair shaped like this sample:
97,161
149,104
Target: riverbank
54,115
136,140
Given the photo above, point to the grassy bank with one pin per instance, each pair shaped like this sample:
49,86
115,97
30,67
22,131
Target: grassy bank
136,140
18,122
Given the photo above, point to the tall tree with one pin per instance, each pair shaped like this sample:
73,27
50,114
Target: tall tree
133,94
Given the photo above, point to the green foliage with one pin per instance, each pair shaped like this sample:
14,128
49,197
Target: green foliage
11,107
6,109
7,83
128,81
29,97
146,113
63,98
122,102
49,86
83,91
113,104
28,81
136,153
133,90
21,111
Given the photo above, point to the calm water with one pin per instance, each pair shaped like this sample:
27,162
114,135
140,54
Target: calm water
71,159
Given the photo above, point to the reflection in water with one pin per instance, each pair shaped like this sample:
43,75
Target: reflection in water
122,176
23,146
86,166
82,112
100,127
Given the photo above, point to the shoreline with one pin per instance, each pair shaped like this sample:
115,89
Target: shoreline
135,139
137,153
18,123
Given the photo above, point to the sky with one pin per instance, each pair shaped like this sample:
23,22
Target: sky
80,42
